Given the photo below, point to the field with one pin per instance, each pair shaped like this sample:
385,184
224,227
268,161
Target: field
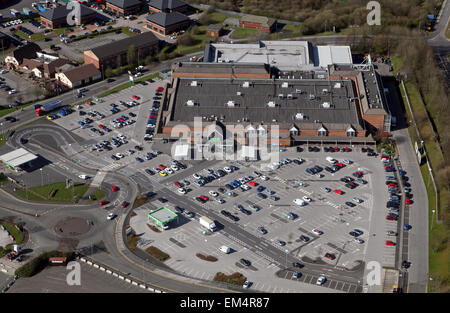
53,192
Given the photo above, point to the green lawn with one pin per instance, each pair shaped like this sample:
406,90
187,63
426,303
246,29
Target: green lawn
241,33
2,139
218,18
98,195
60,193
13,231
59,31
127,31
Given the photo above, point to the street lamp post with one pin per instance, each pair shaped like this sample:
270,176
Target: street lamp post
42,178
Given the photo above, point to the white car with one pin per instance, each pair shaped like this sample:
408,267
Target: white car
83,176
307,199
168,170
320,175
264,177
317,231
246,284
347,162
358,240
358,200
227,169
182,190
321,280
213,193
3,72
110,216
220,200
299,202
196,176
130,152
245,187
12,91
174,167
120,155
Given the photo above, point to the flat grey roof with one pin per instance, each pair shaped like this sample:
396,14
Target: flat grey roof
163,215
285,55
17,157
211,97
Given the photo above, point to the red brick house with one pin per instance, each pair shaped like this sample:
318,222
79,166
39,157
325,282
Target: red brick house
167,6
123,7
57,17
167,23
214,30
264,24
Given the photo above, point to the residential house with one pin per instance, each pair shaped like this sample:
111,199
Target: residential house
15,58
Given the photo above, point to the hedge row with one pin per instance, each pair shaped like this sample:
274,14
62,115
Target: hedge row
157,254
40,262
208,258
235,278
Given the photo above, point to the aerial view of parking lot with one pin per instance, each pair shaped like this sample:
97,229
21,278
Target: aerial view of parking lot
182,147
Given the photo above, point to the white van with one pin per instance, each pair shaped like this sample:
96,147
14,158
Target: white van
225,249
83,176
299,202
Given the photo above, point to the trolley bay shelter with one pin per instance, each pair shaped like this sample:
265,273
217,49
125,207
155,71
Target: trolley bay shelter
162,216
18,158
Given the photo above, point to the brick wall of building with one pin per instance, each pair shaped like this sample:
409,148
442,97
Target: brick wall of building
219,75
167,30
254,25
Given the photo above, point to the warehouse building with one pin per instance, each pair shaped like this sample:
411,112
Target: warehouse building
57,17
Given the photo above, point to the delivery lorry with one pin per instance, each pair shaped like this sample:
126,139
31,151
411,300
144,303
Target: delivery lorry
207,223
43,109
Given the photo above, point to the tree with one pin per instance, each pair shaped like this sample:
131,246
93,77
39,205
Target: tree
109,72
131,54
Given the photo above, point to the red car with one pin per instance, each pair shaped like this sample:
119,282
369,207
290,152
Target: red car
114,188
125,204
101,126
103,202
338,191
330,256
339,164
177,184
359,174
390,218
392,185
160,89
390,243
408,201
252,183
121,119
153,116
135,97
336,149
347,149
161,166
203,197
384,156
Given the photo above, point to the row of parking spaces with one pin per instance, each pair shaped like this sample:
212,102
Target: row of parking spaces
312,279
183,242
272,216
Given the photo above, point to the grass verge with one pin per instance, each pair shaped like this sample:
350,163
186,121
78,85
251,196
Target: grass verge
132,240
53,192
438,233
14,232
129,84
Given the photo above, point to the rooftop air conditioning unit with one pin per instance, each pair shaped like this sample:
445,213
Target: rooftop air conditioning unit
299,116
299,91
285,85
312,97
190,103
326,105
274,121
271,104
239,93
194,83
246,84
337,85
325,91
289,96
281,96
320,76
231,103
